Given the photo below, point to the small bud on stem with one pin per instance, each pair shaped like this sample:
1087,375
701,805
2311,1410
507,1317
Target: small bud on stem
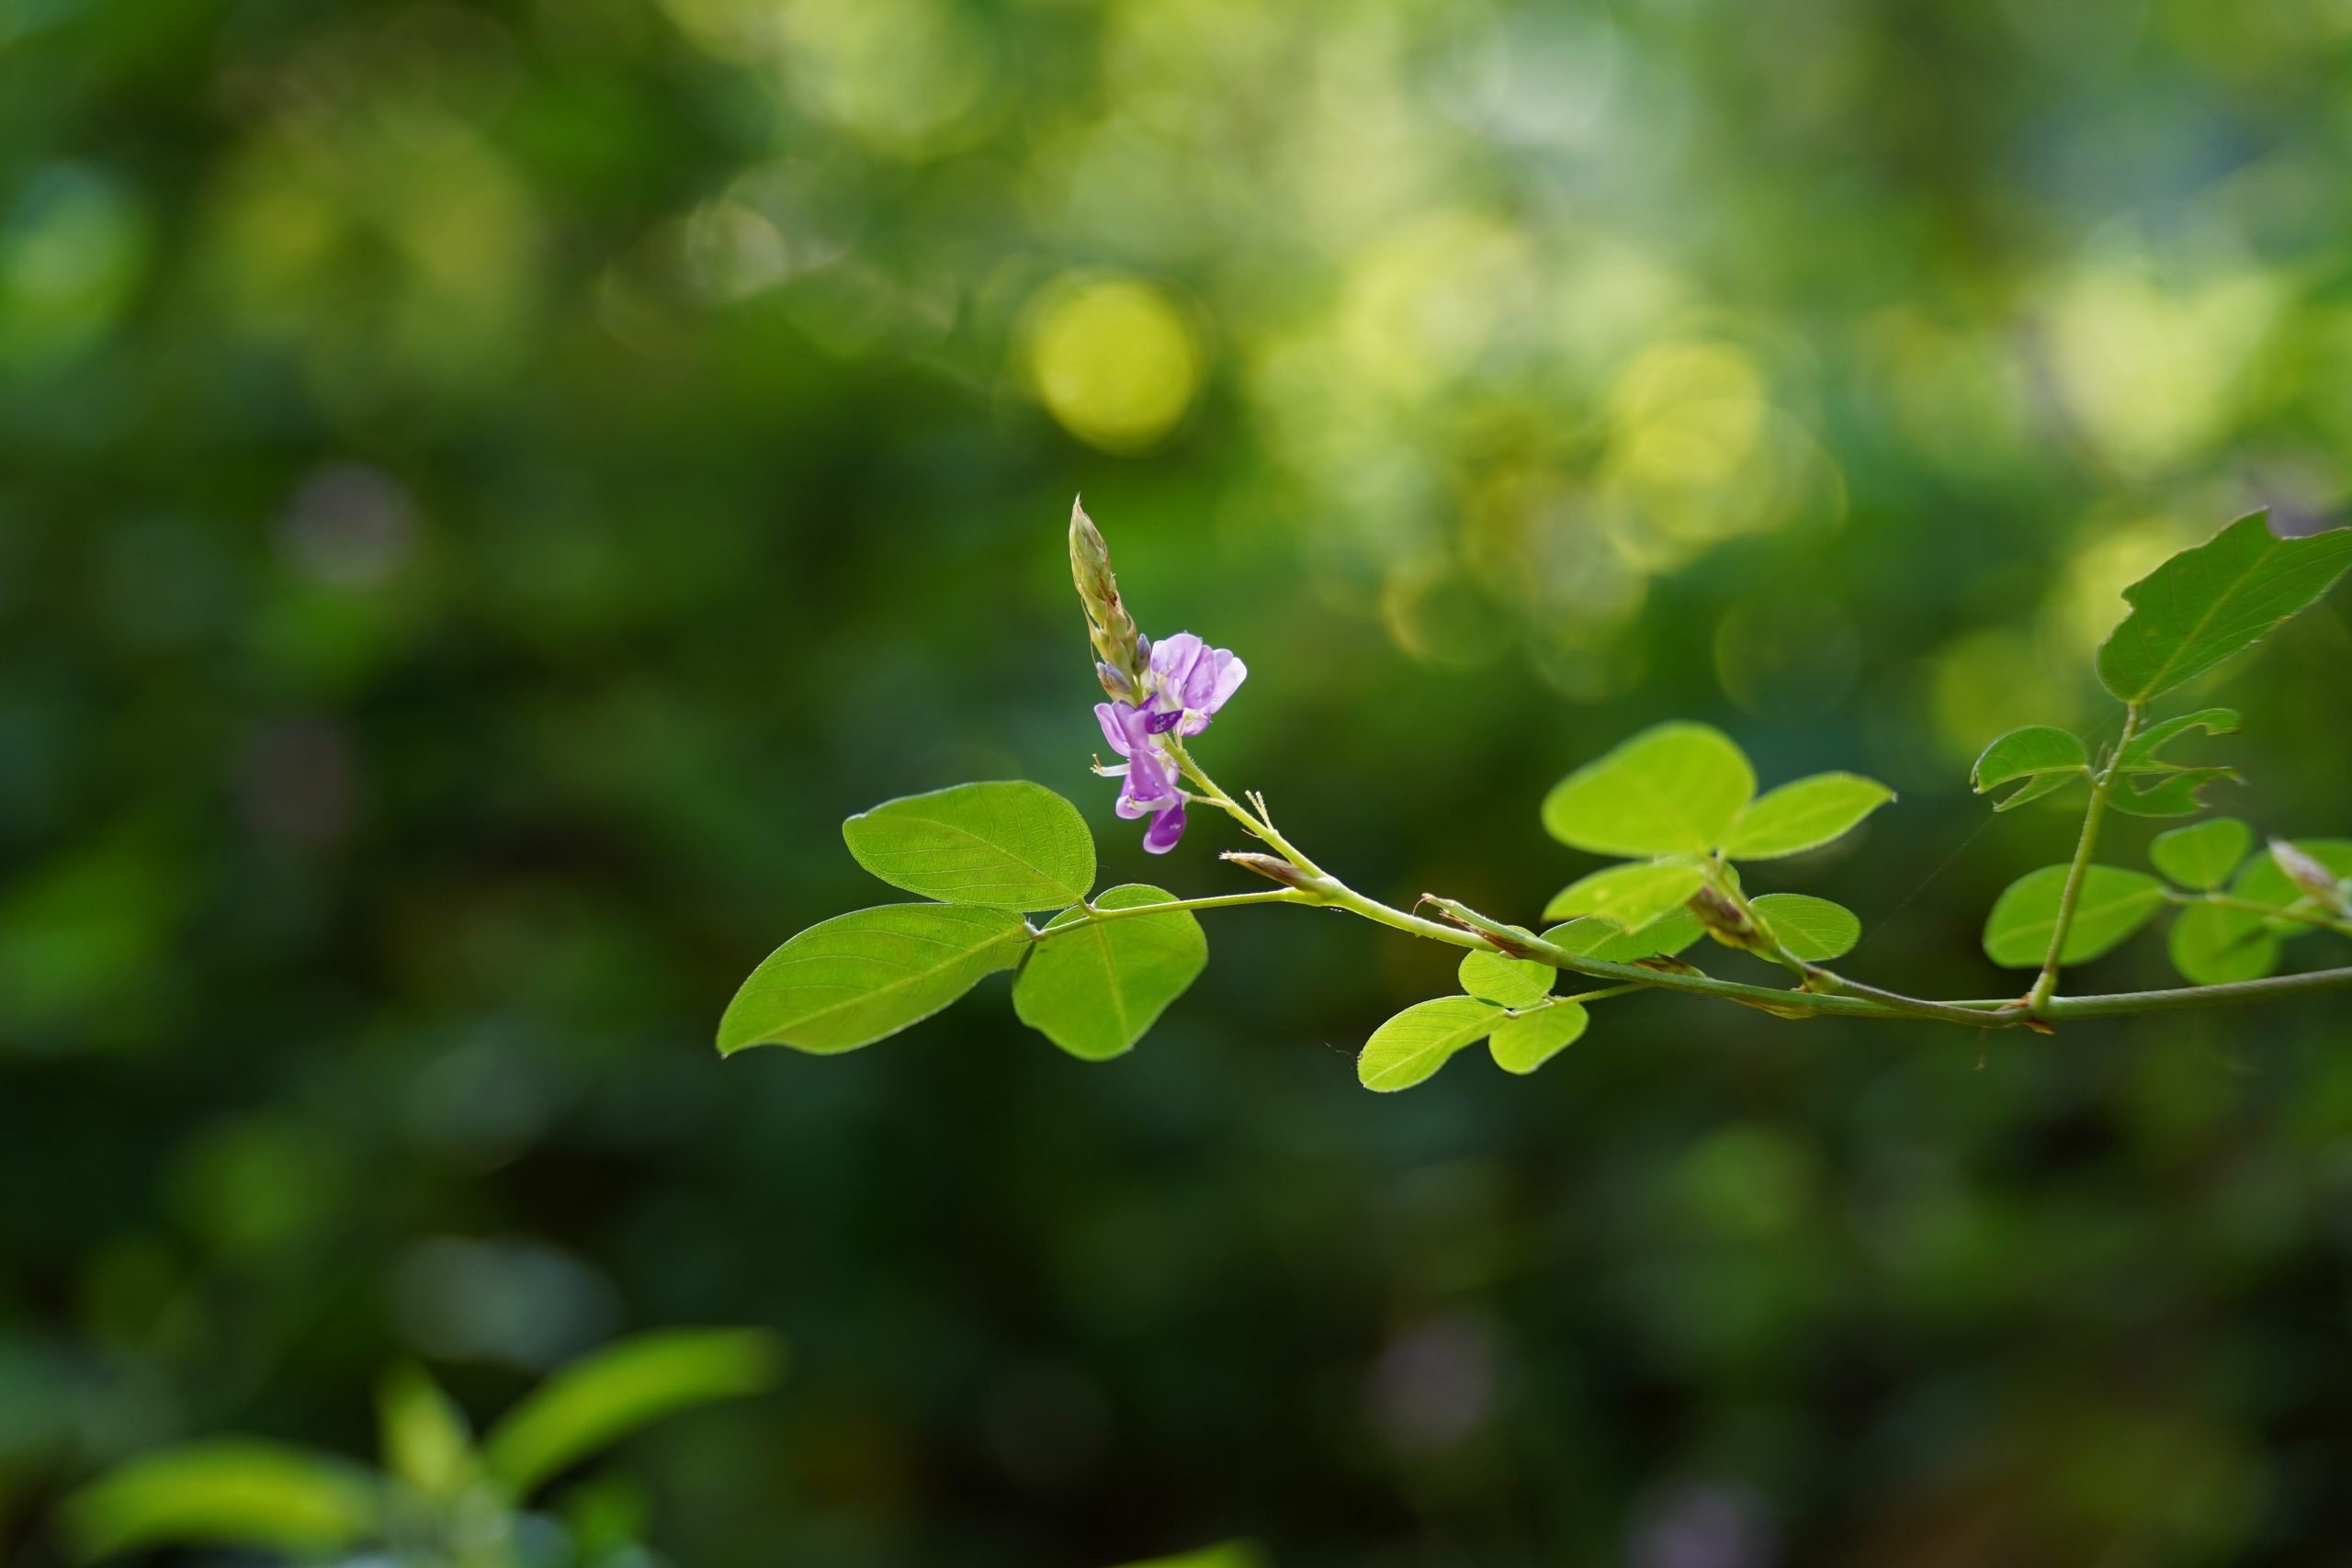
2311,876
1121,650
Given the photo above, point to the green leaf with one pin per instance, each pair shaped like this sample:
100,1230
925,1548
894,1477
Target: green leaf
1094,992
2114,904
1804,816
2143,755
1812,928
1227,1554
1008,845
1628,897
1672,789
858,978
609,1393
1594,938
2046,757
227,1491
1506,982
426,1440
2209,602
1419,1041
2212,945
1524,1044
2263,882
2174,793
2202,856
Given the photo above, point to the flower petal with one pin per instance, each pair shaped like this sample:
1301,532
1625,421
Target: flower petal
1166,828
1107,716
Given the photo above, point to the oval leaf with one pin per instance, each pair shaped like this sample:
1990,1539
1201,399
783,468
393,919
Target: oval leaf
1419,1041
1594,938
229,1492
2212,945
1524,1044
1094,992
1628,897
609,1393
1812,928
2209,602
2044,757
2114,904
1506,982
1007,845
2202,856
1805,814
1672,789
858,978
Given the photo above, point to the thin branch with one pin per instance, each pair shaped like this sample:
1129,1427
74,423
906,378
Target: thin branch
2045,984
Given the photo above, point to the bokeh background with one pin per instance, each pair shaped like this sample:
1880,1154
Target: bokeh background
484,489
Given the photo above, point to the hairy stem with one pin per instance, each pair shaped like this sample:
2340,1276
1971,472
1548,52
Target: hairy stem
2045,984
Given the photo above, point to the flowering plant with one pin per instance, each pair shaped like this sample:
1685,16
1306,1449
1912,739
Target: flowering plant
1675,803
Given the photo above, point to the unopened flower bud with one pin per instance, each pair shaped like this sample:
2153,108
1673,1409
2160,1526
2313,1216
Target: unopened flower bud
1115,684
1273,868
2311,875
1118,646
1725,920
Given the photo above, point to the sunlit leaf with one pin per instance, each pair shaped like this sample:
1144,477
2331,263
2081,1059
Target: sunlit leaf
2203,855
2263,881
609,1393
1628,897
228,1492
1094,992
860,977
2206,603
2043,757
1672,789
1506,982
1524,1044
1812,928
1006,845
2114,904
1592,937
426,1440
2212,946
1419,1041
1805,814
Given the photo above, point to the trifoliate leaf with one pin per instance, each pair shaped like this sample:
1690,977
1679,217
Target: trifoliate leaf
2114,904
1812,928
858,978
1419,1041
1006,845
1592,937
1506,982
1672,789
1804,816
1094,992
1629,896
2206,603
1524,1044
2202,856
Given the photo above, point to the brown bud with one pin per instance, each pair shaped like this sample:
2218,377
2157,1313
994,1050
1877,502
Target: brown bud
1273,868
1119,648
1724,920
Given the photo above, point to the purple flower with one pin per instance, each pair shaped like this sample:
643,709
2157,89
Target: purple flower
1150,786
1187,681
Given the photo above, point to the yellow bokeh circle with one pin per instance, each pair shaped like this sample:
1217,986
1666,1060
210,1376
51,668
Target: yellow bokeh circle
1114,359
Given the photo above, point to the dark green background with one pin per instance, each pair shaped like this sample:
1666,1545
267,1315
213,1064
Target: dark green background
485,489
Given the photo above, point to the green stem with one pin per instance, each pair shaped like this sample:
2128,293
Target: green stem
2037,1000
1222,901
2287,912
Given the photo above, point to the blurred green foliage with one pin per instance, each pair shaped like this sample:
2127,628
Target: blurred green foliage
485,489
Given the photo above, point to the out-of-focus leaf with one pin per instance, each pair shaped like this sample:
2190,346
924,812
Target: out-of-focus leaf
858,978
2212,945
1227,1554
1628,897
1507,982
2202,856
2209,602
2313,876
609,1393
1594,938
1005,845
2114,904
1094,992
2263,882
230,1492
1803,815
426,1440
1673,789
1419,1041
1812,928
1523,1044
2045,757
